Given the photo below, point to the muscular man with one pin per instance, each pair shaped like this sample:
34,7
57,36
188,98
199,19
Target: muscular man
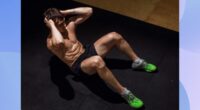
62,41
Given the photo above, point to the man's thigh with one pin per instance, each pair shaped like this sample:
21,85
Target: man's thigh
104,44
87,65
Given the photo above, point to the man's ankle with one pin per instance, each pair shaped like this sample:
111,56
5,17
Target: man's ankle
137,63
125,92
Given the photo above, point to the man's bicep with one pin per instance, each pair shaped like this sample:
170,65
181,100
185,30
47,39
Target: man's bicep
78,19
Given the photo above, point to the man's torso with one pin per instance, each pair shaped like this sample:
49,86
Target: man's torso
70,50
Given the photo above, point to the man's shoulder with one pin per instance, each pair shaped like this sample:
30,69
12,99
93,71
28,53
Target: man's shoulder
71,25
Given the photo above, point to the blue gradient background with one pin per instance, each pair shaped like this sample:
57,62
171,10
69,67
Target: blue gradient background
10,60
10,93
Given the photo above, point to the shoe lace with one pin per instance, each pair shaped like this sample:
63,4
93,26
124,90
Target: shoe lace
144,64
130,97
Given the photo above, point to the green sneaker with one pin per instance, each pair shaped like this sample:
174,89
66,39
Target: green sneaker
143,65
133,101
150,67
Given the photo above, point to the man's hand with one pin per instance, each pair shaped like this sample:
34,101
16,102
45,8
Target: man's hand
49,23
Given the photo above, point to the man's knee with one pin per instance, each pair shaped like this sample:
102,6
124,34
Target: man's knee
98,62
115,36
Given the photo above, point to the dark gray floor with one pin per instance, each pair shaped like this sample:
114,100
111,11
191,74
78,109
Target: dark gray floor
48,84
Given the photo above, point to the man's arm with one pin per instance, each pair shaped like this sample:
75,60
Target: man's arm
82,14
56,36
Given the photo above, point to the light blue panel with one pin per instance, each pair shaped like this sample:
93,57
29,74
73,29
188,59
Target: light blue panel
10,81
10,95
183,100
10,25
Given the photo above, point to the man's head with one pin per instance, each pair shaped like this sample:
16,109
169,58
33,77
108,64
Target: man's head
55,15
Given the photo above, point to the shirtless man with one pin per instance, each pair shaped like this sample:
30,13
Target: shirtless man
62,41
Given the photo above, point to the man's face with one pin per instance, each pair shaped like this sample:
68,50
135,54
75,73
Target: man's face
61,27
60,23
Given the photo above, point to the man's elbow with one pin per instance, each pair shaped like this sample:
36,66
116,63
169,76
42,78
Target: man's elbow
89,10
57,43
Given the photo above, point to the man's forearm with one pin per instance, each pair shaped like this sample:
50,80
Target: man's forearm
80,10
56,35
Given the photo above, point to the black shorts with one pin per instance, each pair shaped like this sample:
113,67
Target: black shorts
89,51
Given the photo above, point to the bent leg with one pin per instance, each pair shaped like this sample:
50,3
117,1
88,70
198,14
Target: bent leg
96,64
113,39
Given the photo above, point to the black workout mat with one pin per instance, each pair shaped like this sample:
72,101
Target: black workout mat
48,84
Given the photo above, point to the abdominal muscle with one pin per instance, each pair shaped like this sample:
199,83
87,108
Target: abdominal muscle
72,55
69,56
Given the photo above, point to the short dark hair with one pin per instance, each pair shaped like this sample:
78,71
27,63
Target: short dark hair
55,15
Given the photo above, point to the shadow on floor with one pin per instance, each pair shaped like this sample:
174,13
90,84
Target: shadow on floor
59,71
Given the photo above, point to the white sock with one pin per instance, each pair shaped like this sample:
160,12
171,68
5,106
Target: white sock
138,62
125,92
